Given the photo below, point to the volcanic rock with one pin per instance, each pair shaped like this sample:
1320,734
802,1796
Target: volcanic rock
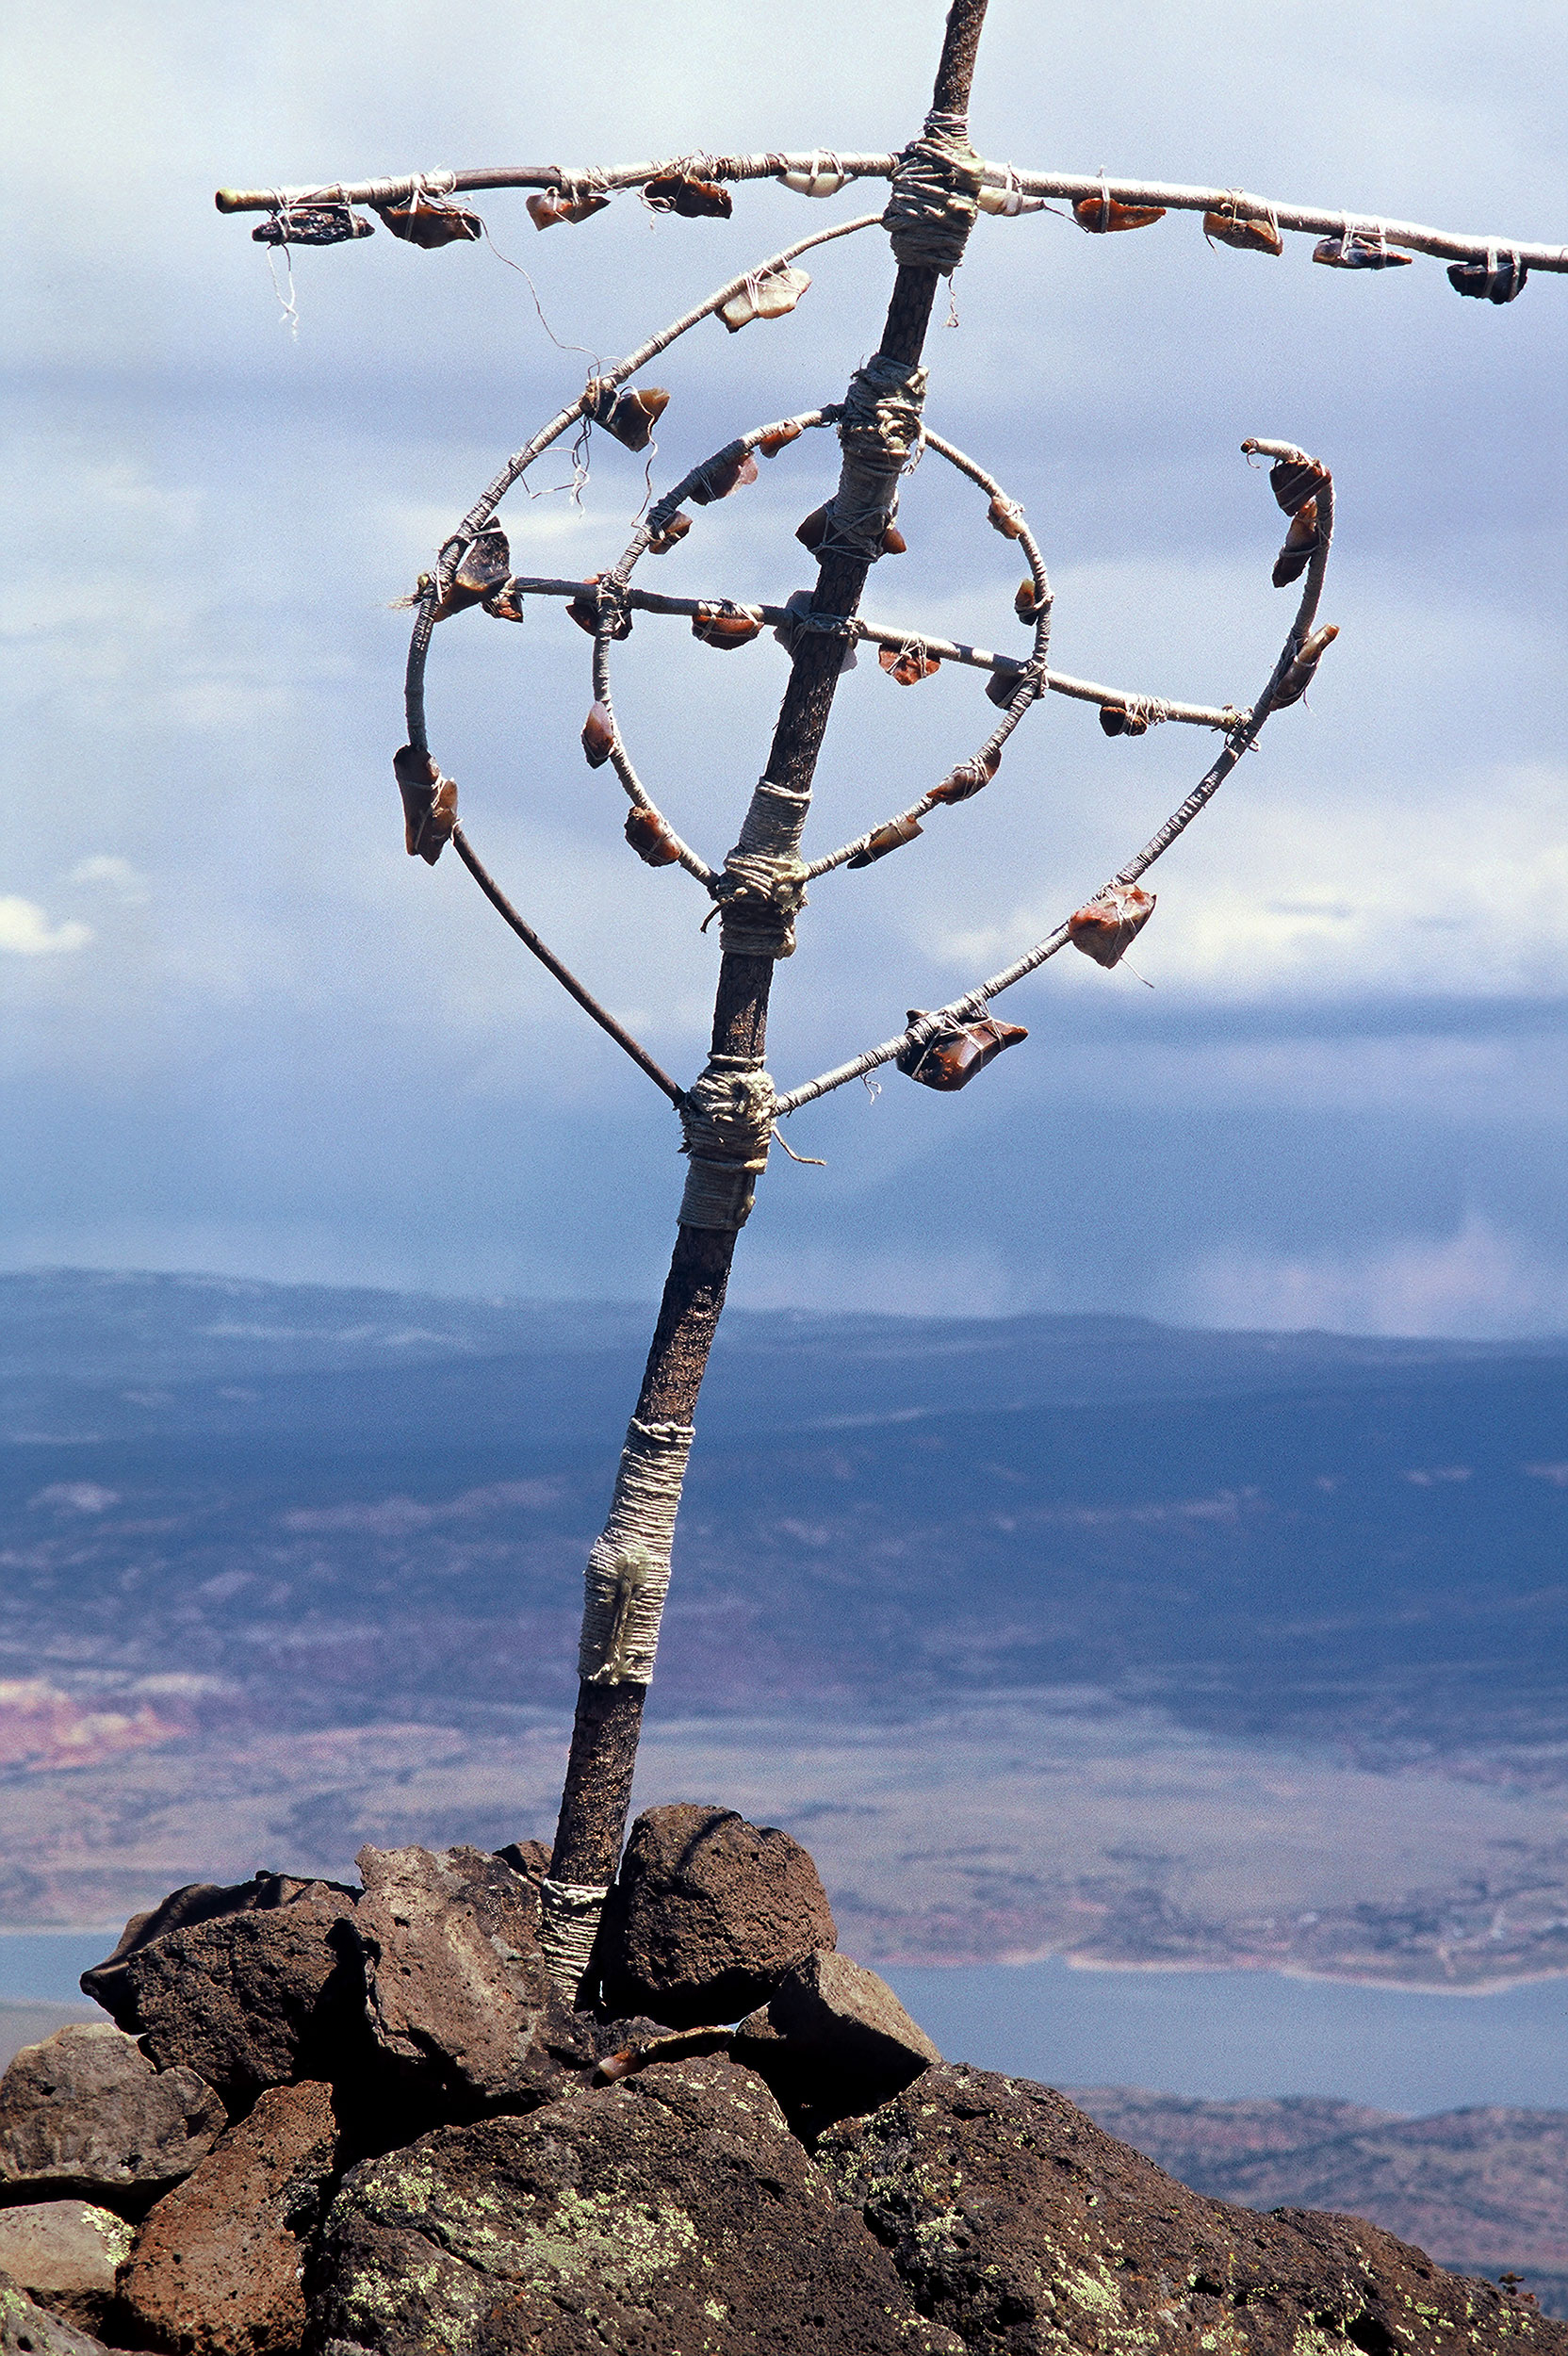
529,1858
86,2111
65,2254
248,1994
1014,2219
709,1914
672,2214
833,2038
456,1989
216,2268
28,2330
196,1902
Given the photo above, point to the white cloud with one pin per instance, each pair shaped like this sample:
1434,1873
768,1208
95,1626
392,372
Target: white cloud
1478,1282
26,932
75,1496
1319,891
115,875
210,677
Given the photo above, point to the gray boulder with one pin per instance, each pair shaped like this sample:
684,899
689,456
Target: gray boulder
708,1915
672,2214
86,2111
457,1994
250,1993
833,2038
29,2329
66,2255
216,2268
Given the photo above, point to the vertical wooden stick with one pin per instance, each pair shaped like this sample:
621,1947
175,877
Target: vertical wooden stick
603,1753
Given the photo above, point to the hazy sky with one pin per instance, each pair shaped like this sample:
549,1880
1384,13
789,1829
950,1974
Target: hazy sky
244,1031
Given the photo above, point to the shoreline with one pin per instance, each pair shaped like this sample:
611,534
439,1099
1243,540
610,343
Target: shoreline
1159,1968
1154,1966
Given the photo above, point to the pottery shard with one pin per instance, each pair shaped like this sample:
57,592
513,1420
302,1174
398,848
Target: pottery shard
833,2038
669,2214
86,2111
216,2268
28,2330
1014,2219
456,1989
65,2254
709,1914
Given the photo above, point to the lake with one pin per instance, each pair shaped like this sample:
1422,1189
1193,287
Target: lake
1230,2035
1221,2034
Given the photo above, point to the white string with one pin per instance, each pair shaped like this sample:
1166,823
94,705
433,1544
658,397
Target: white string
595,357
287,303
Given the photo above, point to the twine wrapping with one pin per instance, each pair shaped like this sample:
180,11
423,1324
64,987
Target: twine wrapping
760,895
799,621
935,199
728,1118
926,1031
568,1926
879,431
774,823
727,1113
718,1195
629,1569
879,416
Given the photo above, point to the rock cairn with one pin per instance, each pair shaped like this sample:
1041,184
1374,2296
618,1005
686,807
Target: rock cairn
359,2122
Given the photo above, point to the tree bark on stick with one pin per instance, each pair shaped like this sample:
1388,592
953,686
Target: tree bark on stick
603,1753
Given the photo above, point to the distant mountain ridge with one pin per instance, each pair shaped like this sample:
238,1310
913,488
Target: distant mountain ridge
148,1353
1480,2190
312,1516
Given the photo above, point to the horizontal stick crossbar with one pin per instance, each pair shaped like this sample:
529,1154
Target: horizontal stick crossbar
879,634
1307,220
585,176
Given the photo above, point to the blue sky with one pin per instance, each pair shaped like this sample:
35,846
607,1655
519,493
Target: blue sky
243,1032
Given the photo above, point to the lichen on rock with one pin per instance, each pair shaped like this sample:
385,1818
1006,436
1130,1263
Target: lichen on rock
673,2213
1016,2221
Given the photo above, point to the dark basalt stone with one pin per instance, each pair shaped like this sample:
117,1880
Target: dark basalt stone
250,1987
832,2040
708,1915
28,2330
85,2112
1014,2219
457,1996
672,2215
